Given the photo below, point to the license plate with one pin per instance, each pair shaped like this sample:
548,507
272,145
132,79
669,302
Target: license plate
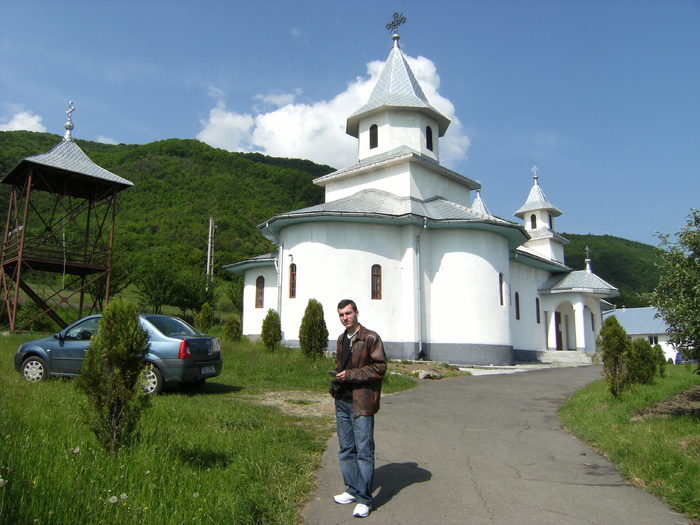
208,370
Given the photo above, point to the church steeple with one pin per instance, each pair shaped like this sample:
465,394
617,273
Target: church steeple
398,112
537,212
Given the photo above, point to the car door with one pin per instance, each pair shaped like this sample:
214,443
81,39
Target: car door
68,355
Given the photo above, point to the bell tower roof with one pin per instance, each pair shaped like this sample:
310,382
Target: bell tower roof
537,200
397,88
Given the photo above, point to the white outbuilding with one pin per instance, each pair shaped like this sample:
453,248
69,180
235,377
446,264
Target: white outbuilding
431,270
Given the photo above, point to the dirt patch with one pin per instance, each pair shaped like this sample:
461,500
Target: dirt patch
682,404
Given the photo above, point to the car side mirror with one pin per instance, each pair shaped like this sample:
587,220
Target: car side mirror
57,336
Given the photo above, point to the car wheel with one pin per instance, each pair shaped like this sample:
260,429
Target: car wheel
192,386
153,380
34,369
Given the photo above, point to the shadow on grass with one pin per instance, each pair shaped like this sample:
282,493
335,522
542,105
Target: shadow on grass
209,388
392,478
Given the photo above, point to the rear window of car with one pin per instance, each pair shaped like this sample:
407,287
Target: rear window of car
171,327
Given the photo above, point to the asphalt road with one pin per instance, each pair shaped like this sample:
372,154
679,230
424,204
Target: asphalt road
488,449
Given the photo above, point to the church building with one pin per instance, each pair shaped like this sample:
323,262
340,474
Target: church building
414,245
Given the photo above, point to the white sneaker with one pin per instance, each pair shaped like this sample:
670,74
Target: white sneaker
361,510
344,498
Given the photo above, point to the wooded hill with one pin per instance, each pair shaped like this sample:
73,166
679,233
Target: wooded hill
178,184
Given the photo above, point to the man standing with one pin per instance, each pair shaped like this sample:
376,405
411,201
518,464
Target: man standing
360,367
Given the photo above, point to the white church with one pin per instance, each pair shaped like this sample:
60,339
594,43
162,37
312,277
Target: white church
414,245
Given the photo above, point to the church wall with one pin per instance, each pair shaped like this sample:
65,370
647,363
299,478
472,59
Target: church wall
426,183
252,316
393,179
527,333
395,129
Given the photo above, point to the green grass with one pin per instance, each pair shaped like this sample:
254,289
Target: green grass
660,454
210,458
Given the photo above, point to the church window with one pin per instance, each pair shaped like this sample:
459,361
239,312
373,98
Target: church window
376,282
517,305
259,291
551,224
533,221
292,281
373,136
653,339
592,322
500,288
537,309
429,138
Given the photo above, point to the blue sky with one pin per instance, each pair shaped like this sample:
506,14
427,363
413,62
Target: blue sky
603,96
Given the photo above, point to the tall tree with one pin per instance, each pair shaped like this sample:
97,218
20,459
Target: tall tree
678,294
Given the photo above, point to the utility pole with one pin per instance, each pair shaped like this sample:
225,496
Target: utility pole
210,253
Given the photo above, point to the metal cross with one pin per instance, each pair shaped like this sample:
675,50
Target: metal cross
71,109
534,171
588,252
393,26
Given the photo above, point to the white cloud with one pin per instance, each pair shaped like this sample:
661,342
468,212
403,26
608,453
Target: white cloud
295,31
316,130
106,140
22,119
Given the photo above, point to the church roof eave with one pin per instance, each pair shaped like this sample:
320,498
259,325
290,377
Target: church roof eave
580,281
535,261
390,158
352,126
240,267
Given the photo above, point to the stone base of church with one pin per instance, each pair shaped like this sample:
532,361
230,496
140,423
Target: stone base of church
458,354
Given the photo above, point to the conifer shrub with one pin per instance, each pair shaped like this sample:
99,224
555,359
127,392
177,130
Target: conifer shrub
660,360
313,333
641,362
271,334
111,377
205,318
613,344
233,328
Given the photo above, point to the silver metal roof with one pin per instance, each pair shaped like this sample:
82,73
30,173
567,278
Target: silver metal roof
580,281
536,200
68,156
396,156
267,259
397,87
479,205
639,321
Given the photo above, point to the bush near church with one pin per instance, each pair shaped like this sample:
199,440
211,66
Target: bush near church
313,333
271,333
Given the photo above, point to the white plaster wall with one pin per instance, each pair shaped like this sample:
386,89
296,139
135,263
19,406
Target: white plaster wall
426,184
394,179
461,270
334,262
527,333
398,128
252,316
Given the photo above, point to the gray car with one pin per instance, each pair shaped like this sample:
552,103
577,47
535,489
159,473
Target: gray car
178,353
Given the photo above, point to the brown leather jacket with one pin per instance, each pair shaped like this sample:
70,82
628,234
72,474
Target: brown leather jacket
366,370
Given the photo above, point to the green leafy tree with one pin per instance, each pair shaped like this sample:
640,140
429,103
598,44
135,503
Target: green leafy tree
677,295
641,362
190,291
613,343
205,318
111,376
271,330
233,328
155,284
313,333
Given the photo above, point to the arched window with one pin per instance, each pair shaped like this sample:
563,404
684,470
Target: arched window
429,138
517,305
551,224
259,291
373,136
592,322
376,282
500,288
537,309
533,221
292,281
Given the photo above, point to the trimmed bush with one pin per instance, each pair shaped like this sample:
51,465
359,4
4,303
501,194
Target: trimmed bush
111,376
313,333
613,344
233,328
642,362
271,334
205,318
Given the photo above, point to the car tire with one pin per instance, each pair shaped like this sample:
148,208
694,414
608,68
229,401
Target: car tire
153,380
34,369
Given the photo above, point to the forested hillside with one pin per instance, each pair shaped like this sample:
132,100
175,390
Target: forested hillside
163,219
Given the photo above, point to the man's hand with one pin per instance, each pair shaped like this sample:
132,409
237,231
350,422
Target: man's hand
340,376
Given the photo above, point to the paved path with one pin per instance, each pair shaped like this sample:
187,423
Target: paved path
488,449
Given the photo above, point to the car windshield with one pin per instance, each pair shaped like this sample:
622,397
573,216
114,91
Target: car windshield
171,326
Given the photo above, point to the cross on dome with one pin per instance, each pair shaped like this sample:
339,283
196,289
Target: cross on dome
393,26
69,123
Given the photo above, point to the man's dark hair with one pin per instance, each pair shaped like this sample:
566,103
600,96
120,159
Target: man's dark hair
345,302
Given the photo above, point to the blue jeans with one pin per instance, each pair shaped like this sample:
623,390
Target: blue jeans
356,440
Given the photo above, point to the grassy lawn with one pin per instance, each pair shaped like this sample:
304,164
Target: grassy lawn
661,454
213,457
